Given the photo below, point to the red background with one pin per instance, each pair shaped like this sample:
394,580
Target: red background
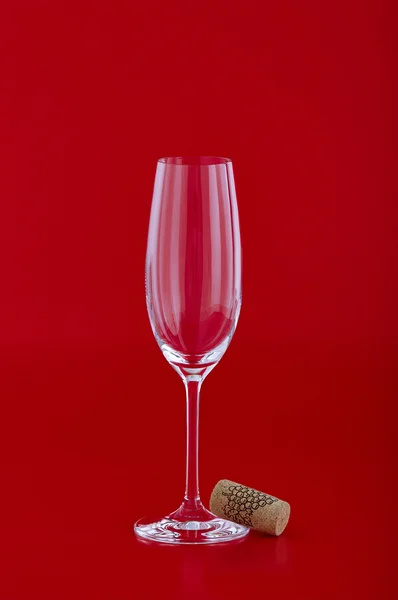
300,96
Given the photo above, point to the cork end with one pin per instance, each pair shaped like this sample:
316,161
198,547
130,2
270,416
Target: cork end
282,519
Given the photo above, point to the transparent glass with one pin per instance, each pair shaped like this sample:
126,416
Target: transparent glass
193,292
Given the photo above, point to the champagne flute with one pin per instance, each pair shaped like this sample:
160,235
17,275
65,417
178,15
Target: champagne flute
193,293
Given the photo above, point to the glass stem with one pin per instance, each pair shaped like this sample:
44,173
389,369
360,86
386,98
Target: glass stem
191,498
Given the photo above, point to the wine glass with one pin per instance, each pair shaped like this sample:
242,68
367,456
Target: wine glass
193,293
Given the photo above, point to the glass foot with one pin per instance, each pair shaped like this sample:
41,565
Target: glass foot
170,530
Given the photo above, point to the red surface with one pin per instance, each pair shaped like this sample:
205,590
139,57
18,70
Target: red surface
300,95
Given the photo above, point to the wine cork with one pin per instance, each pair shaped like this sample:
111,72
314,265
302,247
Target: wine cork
246,506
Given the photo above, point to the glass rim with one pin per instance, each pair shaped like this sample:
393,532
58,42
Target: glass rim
194,161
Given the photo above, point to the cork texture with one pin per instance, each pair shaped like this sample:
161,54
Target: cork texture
250,507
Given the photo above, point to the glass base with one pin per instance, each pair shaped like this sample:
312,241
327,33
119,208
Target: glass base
171,530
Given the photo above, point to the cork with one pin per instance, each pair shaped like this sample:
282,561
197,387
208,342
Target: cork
246,506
